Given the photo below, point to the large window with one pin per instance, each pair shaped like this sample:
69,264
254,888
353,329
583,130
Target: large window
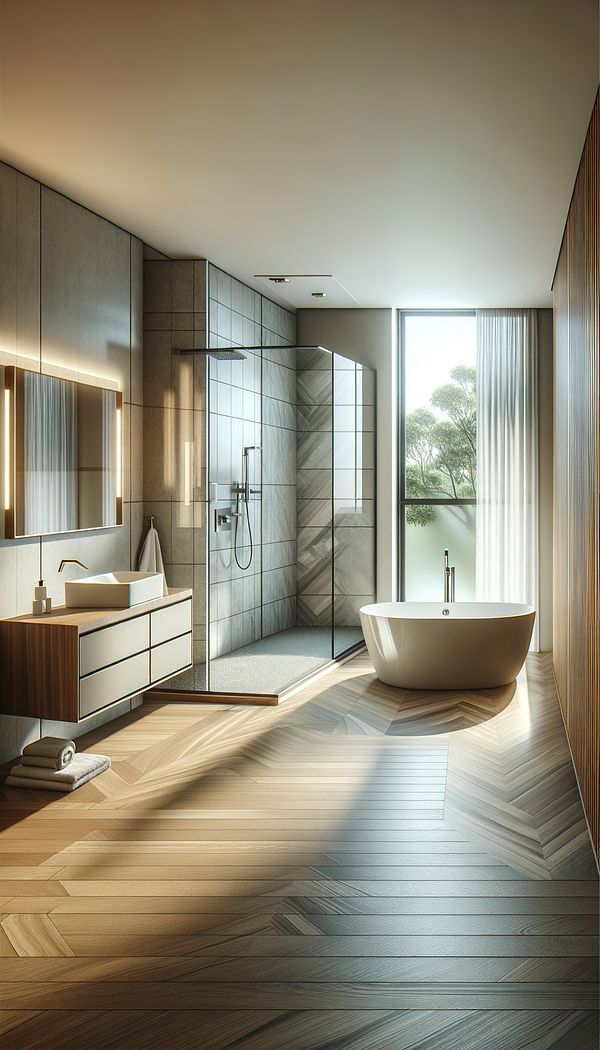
438,426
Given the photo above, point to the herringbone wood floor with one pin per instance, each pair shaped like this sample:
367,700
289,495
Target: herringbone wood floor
358,868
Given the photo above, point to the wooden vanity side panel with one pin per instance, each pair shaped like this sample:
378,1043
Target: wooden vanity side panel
39,670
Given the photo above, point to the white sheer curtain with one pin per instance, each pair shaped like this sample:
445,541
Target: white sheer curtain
507,458
49,454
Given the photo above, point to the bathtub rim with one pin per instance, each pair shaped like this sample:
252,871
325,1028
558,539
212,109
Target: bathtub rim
391,611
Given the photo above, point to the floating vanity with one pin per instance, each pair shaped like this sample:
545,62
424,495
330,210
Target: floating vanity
72,663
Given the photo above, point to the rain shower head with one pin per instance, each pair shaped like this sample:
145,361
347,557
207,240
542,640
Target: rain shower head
227,353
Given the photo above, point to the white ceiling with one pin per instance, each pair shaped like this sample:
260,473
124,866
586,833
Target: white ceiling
422,152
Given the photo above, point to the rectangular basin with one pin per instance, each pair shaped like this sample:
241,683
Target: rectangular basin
113,590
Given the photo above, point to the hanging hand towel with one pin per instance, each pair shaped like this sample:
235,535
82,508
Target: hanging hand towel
51,752
83,768
150,559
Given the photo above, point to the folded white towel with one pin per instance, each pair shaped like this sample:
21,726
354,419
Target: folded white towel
83,768
51,752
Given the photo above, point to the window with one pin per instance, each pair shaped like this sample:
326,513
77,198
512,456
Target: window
438,426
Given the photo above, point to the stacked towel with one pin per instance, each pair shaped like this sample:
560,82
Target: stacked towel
50,752
47,774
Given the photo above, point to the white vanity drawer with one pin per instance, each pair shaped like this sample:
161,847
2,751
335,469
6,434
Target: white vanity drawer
171,621
110,644
113,683
170,657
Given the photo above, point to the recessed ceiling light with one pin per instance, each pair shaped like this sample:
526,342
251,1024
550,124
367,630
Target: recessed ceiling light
319,295
280,280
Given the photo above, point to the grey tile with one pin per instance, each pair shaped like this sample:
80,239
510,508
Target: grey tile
313,387
157,286
224,283
157,322
279,616
279,511
278,381
278,413
182,322
157,367
314,512
346,608
182,532
314,610
314,451
314,484
314,358
237,296
200,285
354,513
279,456
182,285
354,561
278,554
279,583
352,484
314,417
314,561
280,355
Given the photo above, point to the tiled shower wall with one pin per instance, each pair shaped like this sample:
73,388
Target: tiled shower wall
247,603
175,423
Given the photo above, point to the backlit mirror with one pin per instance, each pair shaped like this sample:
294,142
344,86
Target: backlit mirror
62,455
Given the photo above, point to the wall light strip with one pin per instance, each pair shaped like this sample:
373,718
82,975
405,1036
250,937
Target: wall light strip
7,450
187,472
119,456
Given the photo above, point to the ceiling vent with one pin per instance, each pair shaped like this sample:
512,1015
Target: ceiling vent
305,289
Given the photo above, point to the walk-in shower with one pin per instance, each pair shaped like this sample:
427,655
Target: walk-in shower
264,482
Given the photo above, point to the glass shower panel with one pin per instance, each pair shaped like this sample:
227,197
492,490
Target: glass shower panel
314,478
353,499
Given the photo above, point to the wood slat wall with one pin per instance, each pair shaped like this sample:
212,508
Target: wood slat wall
577,475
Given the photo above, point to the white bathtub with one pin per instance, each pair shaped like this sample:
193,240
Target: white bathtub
462,645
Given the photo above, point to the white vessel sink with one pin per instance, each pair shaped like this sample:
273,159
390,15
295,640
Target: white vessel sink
113,590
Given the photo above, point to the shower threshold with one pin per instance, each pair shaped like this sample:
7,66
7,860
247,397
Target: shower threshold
265,670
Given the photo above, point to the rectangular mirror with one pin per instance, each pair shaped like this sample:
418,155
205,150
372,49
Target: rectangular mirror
62,455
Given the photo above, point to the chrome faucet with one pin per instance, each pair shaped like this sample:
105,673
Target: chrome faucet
71,561
449,580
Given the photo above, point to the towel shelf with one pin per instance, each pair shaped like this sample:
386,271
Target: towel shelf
75,662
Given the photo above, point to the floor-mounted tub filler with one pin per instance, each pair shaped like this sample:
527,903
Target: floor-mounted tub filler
458,645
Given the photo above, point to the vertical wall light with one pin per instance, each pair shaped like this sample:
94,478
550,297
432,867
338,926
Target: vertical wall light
119,456
9,512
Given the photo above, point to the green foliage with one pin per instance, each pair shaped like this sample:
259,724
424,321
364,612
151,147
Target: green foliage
441,447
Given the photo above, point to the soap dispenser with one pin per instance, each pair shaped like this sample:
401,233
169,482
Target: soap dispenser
40,595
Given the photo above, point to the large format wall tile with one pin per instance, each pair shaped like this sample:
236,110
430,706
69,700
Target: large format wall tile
84,319
353,561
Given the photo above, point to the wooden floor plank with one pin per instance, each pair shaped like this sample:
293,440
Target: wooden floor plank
359,867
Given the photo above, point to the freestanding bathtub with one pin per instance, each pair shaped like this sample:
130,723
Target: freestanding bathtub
462,645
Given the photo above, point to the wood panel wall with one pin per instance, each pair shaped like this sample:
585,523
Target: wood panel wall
577,476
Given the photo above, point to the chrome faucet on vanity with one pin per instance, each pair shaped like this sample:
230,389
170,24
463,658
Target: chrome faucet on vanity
449,580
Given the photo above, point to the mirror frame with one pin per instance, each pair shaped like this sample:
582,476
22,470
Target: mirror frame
9,452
